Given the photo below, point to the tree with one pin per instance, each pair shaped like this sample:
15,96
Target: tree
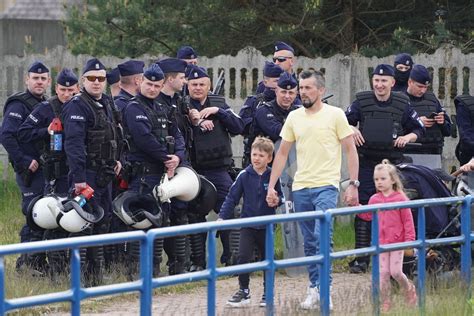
313,27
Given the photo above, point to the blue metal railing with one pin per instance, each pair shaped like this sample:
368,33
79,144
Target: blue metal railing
147,283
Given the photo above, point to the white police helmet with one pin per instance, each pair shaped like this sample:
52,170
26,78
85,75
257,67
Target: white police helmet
74,218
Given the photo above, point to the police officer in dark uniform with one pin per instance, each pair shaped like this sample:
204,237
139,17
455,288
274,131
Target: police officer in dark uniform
131,74
170,96
271,73
23,156
271,117
156,144
465,122
403,64
113,80
211,154
190,56
283,56
91,144
37,128
434,118
387,122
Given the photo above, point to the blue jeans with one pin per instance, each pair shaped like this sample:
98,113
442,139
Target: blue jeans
311,199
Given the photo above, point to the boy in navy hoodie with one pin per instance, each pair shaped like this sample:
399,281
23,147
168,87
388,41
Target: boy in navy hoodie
252,184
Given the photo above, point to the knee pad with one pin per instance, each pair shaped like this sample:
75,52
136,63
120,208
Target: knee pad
362,233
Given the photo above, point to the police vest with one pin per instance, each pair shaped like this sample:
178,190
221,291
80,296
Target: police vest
158,119
101,140
433,139
24,97
212,149
380,126
468,102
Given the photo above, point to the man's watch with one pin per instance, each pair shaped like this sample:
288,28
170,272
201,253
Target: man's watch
355,183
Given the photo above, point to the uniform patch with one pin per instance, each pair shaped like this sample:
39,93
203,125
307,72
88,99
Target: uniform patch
269,115
77,118
141,118
15,115
34,119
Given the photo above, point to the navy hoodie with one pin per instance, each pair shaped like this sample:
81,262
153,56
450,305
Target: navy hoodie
254,189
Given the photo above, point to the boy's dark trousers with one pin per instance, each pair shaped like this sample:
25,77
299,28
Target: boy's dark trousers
249,238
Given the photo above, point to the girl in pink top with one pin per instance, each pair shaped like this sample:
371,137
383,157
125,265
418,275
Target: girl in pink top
394,226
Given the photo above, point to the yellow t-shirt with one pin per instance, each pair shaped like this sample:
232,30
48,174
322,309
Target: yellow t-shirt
318,145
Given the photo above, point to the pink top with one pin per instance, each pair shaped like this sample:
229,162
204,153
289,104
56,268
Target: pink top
394,225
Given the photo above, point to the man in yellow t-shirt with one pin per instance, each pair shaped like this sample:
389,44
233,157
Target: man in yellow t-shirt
321,132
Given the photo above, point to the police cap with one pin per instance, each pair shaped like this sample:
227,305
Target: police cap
197,72
420,74
186,52
404,59
287,81
113,76
38,67
172,65
93,64
384,70
154,73
66,78
131,67
283,46
272,70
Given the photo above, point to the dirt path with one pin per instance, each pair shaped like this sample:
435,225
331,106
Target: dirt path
351,294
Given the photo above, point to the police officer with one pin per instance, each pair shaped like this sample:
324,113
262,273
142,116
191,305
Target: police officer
187,54
465,122
170,96
283,56
38,127
156,145
403,64
433,116
271,117
211,154
387,122
91,145
131,74
23,156
113,80
271,73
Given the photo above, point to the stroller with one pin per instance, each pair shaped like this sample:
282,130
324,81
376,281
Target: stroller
421,182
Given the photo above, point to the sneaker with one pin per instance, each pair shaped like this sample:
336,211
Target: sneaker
240,298
263,301
312,299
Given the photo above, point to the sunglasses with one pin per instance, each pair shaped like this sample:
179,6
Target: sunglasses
94,78
281,59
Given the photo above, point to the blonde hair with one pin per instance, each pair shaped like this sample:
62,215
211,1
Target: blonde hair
392,171
264,144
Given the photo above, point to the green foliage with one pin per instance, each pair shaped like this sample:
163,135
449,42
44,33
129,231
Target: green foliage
313,27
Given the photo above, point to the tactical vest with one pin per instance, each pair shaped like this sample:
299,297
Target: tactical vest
392,114
433,139
158,119
101,139
28,100
212,149
468,102
24,97
464,151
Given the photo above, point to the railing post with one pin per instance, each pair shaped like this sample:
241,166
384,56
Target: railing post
76,282
325,272
211,266
466,259
421,260
270,271
146,274
2,286
374,236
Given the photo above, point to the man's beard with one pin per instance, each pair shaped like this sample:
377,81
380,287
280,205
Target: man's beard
308,103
